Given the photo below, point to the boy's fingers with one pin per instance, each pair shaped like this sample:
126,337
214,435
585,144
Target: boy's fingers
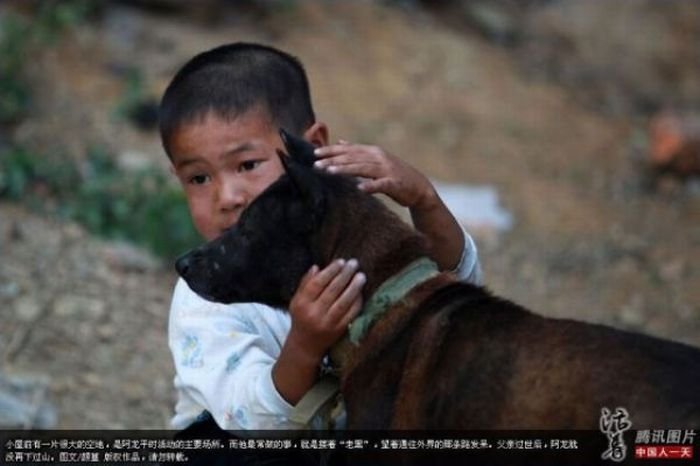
353,311
382,185
342,148
356,162
319,282
365,170
333,149
348,301
351,158
339,283
313,270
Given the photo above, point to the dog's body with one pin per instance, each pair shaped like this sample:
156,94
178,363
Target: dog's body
463,359
449,355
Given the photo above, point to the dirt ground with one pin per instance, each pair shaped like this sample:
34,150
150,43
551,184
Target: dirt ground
594,239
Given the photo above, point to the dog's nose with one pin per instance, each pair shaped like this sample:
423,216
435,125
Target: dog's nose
182,265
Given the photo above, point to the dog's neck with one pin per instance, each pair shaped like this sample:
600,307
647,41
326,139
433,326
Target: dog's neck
397,298
399,256
384,246
389,293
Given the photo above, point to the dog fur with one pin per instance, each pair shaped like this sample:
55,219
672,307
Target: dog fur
451,355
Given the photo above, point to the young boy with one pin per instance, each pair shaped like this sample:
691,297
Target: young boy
247,365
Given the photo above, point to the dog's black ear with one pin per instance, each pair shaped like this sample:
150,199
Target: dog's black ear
298,166
298,149
306,181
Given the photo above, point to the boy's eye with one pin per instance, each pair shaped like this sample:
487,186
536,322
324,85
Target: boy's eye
248,165
199,179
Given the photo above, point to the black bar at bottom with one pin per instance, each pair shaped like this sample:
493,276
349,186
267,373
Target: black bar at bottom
433,448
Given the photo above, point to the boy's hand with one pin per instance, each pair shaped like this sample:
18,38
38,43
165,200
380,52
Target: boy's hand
387,174
383,173
324,304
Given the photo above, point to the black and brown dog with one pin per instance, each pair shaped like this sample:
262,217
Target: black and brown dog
446,355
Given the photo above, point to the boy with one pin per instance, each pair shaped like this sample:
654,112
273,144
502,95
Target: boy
247,365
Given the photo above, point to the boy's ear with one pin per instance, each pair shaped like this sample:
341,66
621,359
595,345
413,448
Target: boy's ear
317,134
300,150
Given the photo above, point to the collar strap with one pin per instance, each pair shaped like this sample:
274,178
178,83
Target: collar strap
389,293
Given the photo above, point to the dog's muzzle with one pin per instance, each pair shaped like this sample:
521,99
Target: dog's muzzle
183,265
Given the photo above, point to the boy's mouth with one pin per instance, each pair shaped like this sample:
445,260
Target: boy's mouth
227,225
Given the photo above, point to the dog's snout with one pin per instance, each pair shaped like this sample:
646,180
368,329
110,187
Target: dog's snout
182,265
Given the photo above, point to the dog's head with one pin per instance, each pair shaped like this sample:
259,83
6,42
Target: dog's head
264,256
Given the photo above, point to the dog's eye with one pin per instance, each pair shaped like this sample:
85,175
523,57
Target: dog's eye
248,165
199,179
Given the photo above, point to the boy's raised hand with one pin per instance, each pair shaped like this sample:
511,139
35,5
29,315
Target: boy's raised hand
383,173
388,174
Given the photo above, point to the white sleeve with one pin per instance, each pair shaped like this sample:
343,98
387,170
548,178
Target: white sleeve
223,364
468,269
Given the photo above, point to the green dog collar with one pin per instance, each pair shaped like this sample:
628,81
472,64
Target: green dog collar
389,293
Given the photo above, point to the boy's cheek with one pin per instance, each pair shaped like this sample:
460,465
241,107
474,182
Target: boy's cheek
205,230
201,218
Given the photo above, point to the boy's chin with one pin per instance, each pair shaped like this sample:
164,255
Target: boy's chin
211,235
209,232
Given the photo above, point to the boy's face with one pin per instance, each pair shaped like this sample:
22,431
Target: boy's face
223,166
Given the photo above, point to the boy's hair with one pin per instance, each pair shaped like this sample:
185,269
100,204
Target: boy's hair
233,79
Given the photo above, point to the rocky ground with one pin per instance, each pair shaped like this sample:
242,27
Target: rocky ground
594,237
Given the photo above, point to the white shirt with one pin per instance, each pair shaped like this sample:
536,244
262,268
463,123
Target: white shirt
224,354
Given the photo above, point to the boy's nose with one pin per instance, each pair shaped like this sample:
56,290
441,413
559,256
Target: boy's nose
231,197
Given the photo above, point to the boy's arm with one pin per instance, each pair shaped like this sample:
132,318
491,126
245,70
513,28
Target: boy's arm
451,246
223,356
321,309
432,218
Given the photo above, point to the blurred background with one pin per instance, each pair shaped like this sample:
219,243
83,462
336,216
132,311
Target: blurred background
565,134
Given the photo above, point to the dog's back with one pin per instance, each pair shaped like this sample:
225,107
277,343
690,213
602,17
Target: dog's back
468,360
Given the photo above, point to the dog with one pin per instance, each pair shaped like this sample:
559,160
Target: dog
445,355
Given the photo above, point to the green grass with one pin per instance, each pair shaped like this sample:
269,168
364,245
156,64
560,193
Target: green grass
14,91
141,206
20,37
